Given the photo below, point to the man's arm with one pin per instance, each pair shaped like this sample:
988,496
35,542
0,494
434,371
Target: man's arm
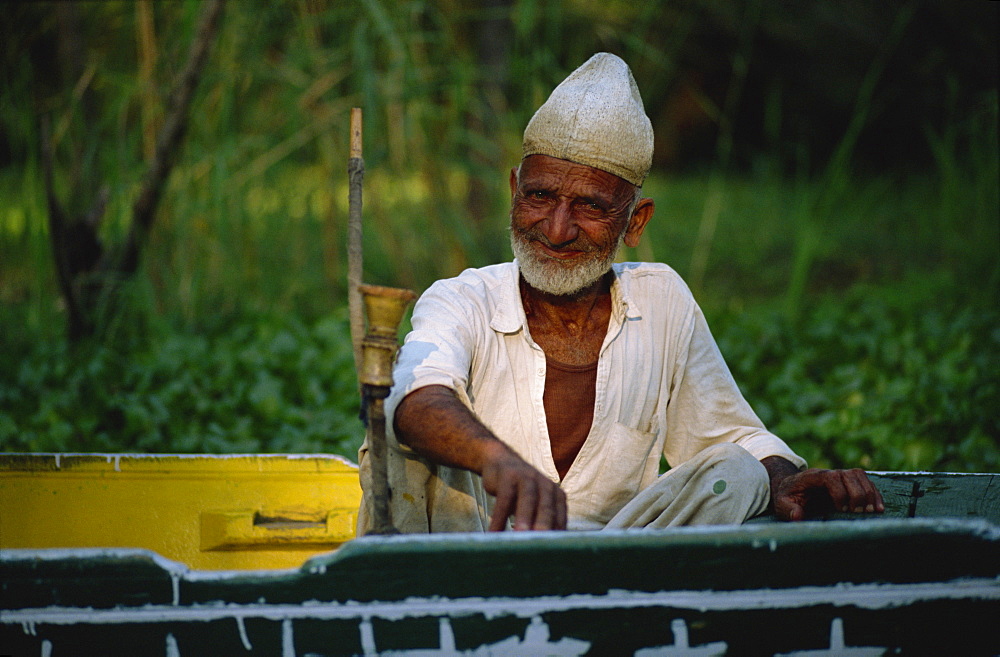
796,495
438,426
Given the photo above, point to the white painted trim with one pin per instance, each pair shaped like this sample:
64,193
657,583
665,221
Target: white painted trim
862,596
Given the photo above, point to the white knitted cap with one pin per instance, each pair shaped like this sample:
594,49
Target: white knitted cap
595,117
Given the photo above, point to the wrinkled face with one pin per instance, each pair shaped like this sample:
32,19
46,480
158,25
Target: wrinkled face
567,223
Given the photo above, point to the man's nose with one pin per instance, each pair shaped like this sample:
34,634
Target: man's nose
560,227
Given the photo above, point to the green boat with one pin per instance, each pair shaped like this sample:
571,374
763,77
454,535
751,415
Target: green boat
924,579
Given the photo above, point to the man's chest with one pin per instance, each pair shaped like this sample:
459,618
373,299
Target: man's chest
571,343
582,349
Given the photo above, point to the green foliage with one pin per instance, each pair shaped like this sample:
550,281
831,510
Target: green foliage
876,381
230,345
883,379
275,385
858,311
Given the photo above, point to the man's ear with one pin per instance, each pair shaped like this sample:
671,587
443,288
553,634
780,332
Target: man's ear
637,222
513,181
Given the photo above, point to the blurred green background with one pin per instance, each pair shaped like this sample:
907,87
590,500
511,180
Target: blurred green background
826,180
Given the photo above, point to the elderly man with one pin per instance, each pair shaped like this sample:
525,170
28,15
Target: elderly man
543,392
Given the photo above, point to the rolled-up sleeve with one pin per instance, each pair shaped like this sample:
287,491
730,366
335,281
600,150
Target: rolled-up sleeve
439,348
706,406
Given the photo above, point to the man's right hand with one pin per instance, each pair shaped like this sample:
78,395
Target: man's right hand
441,428
535,501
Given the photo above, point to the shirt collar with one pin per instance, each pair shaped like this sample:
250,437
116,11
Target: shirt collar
623,304
510,317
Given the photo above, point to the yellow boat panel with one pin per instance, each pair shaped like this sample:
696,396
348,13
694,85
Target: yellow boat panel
215,512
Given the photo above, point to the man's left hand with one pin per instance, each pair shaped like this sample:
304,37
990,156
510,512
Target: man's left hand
799,495
817,492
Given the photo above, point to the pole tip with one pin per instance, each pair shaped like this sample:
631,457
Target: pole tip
355,132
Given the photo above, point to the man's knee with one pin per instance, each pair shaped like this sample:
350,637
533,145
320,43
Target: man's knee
731,468
722,484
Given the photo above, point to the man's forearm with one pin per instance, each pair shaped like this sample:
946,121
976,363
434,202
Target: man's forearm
437,425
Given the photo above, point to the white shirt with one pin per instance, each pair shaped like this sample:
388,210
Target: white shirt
662,388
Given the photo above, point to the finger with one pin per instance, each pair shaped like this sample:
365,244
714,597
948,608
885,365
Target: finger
503,507
865,498
795,512
551,509
873,495
546,512
785,508
833,481
560,509
879,502
855,491
526,504
857,496
788,507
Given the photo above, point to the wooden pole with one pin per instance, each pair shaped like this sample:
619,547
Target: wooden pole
374,348
356,174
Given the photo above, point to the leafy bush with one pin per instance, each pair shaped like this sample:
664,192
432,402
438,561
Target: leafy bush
866,382
876,379
251,230
263,385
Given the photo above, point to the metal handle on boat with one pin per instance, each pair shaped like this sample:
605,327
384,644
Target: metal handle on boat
248,529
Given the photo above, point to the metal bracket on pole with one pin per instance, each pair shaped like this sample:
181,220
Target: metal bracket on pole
384,307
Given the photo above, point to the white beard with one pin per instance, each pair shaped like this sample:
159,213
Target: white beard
557,278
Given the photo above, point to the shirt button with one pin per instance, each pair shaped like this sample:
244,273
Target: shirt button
541,371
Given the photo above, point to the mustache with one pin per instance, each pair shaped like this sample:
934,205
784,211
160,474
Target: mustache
579,243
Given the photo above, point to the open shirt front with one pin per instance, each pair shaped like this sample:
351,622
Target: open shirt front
662,388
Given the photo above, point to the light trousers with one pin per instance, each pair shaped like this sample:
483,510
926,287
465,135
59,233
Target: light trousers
722,484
